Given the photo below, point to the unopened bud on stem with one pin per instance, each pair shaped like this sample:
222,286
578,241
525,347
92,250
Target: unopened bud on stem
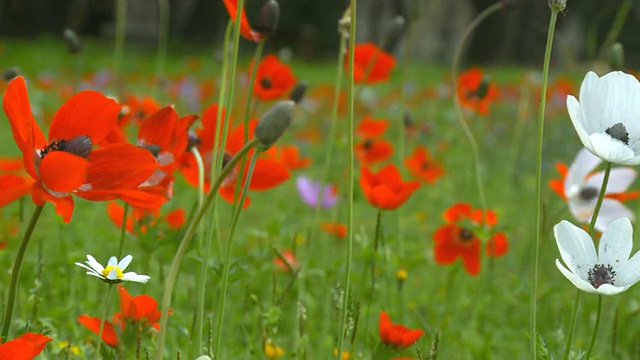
274,122
557,5
269,18
615,56
298,92
74,45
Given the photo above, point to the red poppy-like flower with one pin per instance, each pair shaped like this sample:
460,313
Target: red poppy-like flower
385,189
423,166
459,237
475,92
336,229
245,28
289,156
371,148
137,309
135,109
14,181
25,347
289,257
268,173
371,64
397,335
68,163
273,78
138,220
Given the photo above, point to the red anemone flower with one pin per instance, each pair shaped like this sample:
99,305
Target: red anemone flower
109,334
273,78
371,148
67,163
14,181
25,347
289,156
385,189
336,229
423,166
459,237
138,220
371,64
397,335
475,92
245,28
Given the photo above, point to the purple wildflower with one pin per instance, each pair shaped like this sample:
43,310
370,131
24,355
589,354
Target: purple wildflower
310,190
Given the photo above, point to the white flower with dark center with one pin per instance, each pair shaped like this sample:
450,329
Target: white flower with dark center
607,117
607,272
582,187
114,271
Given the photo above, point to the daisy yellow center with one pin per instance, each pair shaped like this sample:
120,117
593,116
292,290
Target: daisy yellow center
109,268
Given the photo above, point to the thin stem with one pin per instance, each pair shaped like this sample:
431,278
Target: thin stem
123,229
257,57
595,328
201,283
350,187
603,189
103,319
572,324
618,23
227,260
15,274
459,113
163,36
186,240
118,51
538,224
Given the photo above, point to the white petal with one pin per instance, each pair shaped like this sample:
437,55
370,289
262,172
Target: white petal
112,275
619,180
87,267
125,262
113,261
94,264
580,209
611,149
576,248
575,113
575,279
95,274
582,165
622,96
616,243
131,276
629,273
607,289
611,210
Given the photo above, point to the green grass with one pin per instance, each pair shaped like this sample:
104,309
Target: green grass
481,317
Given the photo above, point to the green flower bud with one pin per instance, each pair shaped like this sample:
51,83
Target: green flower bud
274,122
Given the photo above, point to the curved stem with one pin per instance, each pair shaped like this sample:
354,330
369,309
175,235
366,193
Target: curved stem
595,328
572,324
603,190
456,101
15,274
202,278
538,223
186,240
103,319
350,187
227,260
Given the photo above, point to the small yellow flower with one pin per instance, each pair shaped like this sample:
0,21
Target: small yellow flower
273,352
345,354
402,275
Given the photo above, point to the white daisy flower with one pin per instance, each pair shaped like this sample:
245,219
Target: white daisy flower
607,117
607,272
582,187
114,271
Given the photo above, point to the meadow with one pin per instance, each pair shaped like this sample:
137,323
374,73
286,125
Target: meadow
270,278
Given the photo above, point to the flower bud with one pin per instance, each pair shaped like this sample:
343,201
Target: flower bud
344,24
274,122
557,5
10,73
298,91
269,18
74,45
394,31
615,56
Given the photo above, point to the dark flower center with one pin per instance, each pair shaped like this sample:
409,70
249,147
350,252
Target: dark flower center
465,235
153,149
619,132
588,193
79,145
265,83
601,275
367,144
226,158
194,140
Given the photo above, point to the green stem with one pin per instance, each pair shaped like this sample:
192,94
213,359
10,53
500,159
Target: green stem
572,324
350,187
15,274
538,223
257,57
163,35
459,113
118,51
103,319
123,229
202,280
186,240
603,190
613,33
227,260
595,328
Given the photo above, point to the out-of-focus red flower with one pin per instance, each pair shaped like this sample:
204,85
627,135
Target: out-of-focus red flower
289,257
289,156
371,148
67,163
459,237
397,335
138,220
371,64
109,335
475,92
135,109
245,28
336,229
25,347
14,180
422,166
385,189
273,79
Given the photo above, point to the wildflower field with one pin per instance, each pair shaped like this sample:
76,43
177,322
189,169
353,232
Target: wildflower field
181,205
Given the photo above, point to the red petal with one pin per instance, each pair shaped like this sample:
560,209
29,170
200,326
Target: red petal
127,308
471,258
245,28
176,218
267,174
158,129
446,250
108,331
119,167
86,113
13,187
17,350
63,205
498,245
63,172
457,212
39,341
228,194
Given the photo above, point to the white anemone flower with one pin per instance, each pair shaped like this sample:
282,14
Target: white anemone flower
582,188
114,271
607,117
607,272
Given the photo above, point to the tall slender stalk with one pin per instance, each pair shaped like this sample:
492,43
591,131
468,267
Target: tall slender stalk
186,240
538,223
612,35
163,39
103,319
123,229
203,256
118,51
350,187
15,274
595,328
